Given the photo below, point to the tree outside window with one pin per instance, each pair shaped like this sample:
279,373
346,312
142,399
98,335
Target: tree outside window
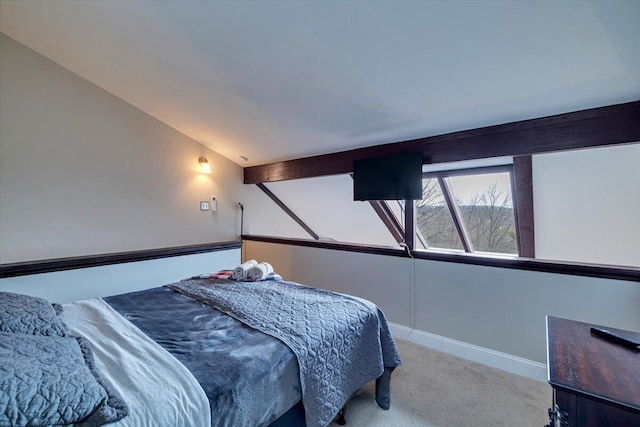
476,208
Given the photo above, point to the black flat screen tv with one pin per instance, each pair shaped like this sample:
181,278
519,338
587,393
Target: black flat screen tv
395,177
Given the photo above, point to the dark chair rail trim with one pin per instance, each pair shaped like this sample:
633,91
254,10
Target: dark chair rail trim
574,269
71,263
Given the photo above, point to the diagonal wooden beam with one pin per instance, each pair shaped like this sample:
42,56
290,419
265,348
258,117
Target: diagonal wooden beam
388,219
288,211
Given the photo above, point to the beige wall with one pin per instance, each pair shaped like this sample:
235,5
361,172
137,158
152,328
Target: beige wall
83,172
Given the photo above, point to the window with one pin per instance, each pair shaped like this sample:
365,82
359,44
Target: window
466,207
470,210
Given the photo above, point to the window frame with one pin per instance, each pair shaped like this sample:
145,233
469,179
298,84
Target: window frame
522,200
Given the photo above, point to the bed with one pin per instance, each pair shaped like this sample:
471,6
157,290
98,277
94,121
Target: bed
220,353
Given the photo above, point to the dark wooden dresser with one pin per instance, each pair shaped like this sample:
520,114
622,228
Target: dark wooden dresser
595,382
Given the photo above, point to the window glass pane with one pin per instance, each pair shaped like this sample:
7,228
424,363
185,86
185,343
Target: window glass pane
486,207
433,219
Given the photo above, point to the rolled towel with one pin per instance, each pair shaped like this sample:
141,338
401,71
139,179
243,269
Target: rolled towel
241,272
260,271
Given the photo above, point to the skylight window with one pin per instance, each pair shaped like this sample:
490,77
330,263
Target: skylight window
486,206
470,210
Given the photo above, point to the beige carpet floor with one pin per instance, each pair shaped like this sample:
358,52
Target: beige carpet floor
436,389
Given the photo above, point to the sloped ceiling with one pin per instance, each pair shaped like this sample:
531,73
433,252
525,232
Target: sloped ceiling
279,80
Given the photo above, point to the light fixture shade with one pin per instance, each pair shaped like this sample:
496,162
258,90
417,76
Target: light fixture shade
205,167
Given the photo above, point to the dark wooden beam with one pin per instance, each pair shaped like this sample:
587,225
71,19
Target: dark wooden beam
72,263
614,124
389,220
288,211
522,196
410,224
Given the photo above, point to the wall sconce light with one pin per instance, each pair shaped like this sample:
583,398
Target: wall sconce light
205,167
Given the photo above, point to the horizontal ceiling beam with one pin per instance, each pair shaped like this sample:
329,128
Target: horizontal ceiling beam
614,124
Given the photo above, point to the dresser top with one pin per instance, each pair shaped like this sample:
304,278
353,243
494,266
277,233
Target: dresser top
586,364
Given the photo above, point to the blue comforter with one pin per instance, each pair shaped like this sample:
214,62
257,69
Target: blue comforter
341,342
250,378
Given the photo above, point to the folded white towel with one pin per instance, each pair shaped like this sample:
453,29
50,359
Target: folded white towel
241,272
260,271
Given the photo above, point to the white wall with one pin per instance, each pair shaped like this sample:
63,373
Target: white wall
82,172
78,284
496,308
326,205
263,216
587,205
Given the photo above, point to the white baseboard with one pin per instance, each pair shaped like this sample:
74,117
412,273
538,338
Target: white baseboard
400,331
506,362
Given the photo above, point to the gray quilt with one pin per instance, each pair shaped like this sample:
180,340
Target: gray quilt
25,314
341,343
50,380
